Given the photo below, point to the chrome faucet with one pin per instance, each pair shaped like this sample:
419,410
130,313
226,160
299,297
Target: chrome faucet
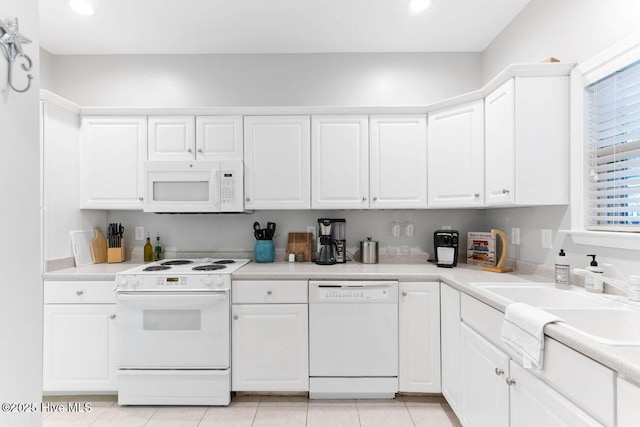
630,285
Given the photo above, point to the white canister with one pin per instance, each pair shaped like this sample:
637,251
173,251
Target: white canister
369,251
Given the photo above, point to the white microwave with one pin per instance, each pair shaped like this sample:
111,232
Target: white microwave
193,186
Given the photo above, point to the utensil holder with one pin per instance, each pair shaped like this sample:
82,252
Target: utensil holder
116,254
264,251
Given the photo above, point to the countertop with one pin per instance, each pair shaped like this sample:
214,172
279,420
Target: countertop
623,359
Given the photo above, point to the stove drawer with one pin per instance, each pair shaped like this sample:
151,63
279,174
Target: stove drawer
269,292
79,292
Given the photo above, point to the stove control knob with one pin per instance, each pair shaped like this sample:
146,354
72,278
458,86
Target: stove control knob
123,282
219,281
134,281
208,281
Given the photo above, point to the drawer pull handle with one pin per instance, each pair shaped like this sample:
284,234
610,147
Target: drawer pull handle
79,293
113,316
499,371
505,191
510,381
235,317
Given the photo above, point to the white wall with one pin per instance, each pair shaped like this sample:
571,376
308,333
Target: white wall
574,31
569,30
269,79
20,298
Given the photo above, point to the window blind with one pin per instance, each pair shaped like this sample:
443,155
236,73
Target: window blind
612,147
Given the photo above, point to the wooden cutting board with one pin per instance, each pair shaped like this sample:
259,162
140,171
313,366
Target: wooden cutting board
301,243
98,247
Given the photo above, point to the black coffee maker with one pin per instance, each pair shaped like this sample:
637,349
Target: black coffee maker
331,241
445,244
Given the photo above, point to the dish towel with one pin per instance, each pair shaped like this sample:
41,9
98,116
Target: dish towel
523,331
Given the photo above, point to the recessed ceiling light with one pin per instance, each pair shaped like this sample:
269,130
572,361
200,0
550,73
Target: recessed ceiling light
83,7
416,6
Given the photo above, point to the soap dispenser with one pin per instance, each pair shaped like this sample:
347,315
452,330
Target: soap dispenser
593,284
562,271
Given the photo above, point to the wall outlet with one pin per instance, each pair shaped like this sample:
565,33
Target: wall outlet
546,239
446,227
139,233
515,236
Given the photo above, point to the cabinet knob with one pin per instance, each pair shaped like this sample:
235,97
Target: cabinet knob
141,198
79,293
476,195
113,316
510,381
364,199
200,150
375,198
247,199
189,150
505,191
269,292
235,317
499,371
404,294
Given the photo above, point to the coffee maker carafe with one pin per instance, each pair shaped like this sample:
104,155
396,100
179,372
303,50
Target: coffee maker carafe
331,241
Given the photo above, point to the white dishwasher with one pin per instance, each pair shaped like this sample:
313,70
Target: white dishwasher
353,339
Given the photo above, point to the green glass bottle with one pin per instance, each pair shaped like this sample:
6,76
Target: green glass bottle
158,248
148,250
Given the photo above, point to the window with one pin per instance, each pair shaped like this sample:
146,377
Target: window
612,152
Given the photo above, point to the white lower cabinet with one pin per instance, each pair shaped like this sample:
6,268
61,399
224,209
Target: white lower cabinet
419,337
484,370
628,409
79,338
533,403
450,346
269,336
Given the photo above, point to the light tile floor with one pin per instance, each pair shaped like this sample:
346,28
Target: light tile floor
260,411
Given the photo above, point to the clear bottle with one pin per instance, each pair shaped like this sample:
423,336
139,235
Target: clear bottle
148,250
158,248
562,271
593,284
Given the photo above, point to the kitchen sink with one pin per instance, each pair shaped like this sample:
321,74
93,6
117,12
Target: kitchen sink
612,326
547,295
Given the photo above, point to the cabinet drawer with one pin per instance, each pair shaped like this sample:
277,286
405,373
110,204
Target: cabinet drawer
79,292
269,291
485,320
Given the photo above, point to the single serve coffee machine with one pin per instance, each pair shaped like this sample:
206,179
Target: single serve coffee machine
332,239
445,244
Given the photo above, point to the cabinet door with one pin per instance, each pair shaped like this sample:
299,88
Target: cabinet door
628,396
219,138
340,167
79,348
451,347
171,138
533,403
500,145
277,162
398,161
270,347
485,391
456,156
419,336
112,155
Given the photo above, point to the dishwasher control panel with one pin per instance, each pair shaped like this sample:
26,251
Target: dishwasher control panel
353,291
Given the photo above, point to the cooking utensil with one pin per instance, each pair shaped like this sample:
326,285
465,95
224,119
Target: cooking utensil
271,230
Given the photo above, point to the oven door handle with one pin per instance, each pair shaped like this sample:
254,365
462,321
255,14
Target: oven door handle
146,295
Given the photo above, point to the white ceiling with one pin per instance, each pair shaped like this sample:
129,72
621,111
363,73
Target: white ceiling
273,26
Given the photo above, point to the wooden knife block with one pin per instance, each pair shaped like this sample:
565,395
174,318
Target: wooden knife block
116,254
300,243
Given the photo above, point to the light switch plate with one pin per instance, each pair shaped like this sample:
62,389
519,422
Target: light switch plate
515,236
139,233
546,238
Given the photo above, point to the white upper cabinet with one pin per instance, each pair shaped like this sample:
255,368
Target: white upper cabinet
277,159
195,138
398,161
456,156
112,154
219,138
171,138
527,142
340,162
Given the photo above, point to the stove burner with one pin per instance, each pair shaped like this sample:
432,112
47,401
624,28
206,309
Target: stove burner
157,268
177,262
225,261
208,267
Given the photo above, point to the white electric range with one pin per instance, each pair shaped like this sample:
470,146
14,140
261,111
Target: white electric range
173,332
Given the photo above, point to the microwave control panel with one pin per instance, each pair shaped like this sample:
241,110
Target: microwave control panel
227,187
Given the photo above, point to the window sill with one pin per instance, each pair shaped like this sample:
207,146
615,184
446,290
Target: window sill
606,239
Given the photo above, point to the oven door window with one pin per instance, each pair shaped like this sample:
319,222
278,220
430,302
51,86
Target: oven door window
172,330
